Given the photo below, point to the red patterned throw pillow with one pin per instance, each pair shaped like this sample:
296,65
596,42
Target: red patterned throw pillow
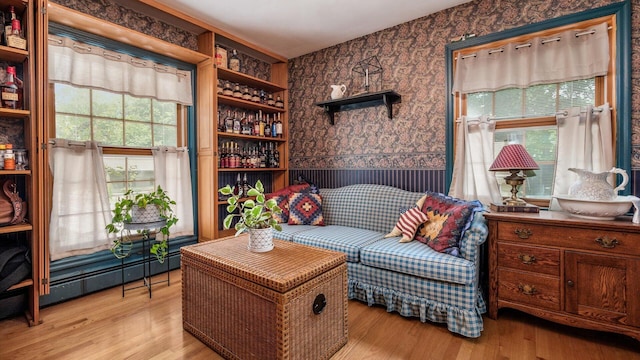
449,218
305,209
408,224
282,198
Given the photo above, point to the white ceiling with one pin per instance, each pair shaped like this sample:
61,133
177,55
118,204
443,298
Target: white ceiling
292,28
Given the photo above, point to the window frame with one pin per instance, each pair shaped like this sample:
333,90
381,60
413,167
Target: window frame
620,13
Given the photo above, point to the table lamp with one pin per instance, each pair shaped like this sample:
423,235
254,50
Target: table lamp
514,158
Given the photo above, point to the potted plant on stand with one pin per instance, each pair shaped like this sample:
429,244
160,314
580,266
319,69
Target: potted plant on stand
254,216
143,211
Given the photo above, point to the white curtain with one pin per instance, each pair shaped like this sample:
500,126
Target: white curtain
472,179
80,205
584,142
173,174
76,63
567,56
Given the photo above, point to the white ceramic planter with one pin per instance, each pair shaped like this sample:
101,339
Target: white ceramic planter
148,214
260,240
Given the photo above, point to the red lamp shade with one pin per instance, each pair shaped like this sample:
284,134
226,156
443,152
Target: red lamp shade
513,157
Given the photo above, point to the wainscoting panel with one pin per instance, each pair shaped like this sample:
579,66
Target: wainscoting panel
417,180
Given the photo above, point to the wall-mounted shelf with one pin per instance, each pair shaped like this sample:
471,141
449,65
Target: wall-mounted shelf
384,97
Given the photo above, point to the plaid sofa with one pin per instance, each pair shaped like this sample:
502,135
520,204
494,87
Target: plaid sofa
409,278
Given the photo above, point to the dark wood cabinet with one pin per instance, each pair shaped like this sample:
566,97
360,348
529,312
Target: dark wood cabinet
573,271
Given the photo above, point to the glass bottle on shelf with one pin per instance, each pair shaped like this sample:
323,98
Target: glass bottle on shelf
9,158
270,100
2,151
256,126
279,127
256,96
276,157
13,31
219,87
246,124
10,95
228,122
279,103
267,126
246,94
237,125
234,61
237,93
274,127
227,89
261,133
21,159
245,184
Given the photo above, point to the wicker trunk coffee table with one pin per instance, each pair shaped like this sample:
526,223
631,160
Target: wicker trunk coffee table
288,303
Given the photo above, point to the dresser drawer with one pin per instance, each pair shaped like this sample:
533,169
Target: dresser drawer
617,242
528,258
529,288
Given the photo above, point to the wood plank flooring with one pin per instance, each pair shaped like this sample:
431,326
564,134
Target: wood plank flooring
106,326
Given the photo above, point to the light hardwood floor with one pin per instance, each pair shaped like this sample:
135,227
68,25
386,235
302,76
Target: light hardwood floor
106,326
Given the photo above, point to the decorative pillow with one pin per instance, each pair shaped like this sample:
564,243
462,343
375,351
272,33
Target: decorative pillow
408,224
283,204
449,218
305,209
288,190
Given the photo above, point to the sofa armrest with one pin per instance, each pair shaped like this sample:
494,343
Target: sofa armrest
475,236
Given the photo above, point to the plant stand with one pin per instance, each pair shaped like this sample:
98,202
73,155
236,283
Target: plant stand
146,256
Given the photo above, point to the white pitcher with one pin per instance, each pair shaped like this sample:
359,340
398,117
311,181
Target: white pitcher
594,186
338,91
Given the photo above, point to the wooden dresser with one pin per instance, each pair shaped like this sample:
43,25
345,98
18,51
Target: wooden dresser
583,273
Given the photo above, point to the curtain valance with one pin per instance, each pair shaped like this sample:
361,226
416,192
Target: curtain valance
84,65
567,56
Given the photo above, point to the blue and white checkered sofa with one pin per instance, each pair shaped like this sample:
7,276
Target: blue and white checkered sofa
410,278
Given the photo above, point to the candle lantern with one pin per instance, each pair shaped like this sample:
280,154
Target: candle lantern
367,69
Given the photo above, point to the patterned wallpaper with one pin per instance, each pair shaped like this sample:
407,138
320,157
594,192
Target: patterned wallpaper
412,56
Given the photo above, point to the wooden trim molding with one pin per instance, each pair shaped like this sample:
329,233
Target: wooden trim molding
90,24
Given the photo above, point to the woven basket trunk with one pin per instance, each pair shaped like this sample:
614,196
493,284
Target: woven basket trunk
148,214
260,240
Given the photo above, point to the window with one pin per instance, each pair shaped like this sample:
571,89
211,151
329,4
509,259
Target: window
125,125
538,105
528,115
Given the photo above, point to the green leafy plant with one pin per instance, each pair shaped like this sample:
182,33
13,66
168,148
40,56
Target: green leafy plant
253,214
122,214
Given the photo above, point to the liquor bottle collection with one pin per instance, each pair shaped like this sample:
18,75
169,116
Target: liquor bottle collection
267,125
244,92
249,156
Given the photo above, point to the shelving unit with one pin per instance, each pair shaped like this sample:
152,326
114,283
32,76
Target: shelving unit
385,97
211,177
26,233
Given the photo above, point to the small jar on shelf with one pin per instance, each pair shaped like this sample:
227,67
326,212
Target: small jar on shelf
237,93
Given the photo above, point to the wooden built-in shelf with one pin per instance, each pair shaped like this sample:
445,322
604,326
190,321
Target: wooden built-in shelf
14,113
384,97
245,104
249,169
13,54
250,137
15,228
21,284
251,81
15,172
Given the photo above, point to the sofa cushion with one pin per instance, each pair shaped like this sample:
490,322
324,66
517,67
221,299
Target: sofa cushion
414,258
408,224
449,218
346,239
305,209
289,231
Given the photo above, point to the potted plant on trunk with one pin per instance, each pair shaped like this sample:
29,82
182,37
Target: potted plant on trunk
139,210
255,216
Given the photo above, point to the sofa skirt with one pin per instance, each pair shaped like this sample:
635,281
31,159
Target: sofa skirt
459,306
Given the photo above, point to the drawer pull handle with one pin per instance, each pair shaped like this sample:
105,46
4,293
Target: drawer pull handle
527,259
570,283
527,289
607,243
523,233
